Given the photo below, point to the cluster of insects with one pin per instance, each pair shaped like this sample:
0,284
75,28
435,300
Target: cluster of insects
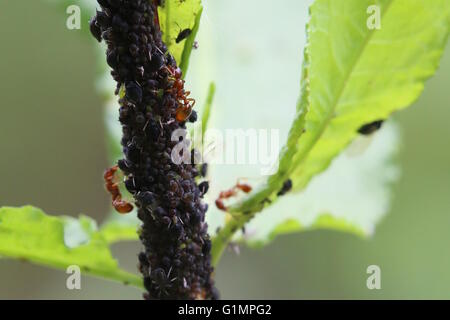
186,104
231,193
112,186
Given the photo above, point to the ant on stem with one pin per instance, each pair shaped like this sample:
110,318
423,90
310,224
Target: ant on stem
120,205
184,111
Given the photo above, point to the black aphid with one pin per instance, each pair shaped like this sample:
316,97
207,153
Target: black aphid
370,128
183,35
287,186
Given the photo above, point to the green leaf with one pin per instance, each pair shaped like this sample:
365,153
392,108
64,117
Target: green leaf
357,75
189,45
324,222
174,17
28,233
351,196
351,76
120,228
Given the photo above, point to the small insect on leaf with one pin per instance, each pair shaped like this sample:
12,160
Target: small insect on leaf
370,128
183,35
287,186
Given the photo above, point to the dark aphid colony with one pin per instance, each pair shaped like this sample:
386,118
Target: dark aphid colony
370,128
176,261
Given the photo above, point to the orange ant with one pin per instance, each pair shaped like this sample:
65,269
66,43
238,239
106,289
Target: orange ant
120,205
184,111
231,193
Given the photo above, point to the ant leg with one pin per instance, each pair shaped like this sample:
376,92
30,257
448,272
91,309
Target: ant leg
191,100
170,71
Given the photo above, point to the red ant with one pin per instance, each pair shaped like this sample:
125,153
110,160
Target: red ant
231,193
120,205
184,111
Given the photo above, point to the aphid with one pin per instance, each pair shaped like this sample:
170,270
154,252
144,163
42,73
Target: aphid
95,30
111,58
102,19
183,35
133,92
193,117
146,198
103,3
195,45
204,170
114,3
370,128
363,142
203,187
119,24
120,205
160,3
108,35
196,156
287,186
161,281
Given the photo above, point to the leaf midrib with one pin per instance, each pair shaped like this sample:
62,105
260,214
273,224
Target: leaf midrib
266,191
347,77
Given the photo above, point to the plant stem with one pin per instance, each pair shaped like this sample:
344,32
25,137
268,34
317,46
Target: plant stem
243,211
241,214
224,236
123,277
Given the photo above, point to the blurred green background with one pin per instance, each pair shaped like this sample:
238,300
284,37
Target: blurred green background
53,153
